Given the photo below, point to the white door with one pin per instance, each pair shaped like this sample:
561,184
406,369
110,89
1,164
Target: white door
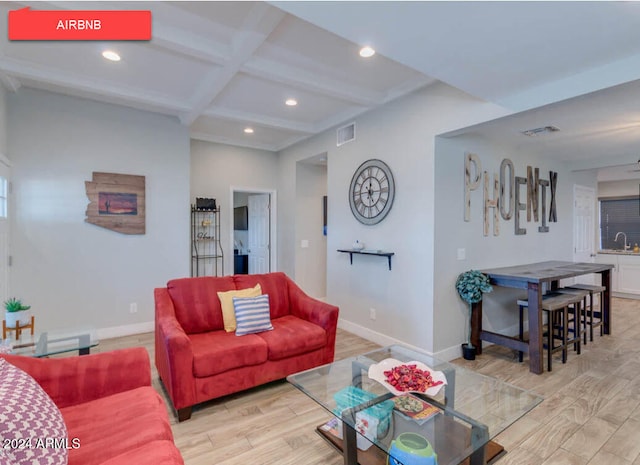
259,234
4,231
584,213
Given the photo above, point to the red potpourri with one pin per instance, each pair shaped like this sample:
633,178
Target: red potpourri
410,378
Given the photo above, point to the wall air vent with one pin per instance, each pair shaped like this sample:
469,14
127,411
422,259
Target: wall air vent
540,131
346,134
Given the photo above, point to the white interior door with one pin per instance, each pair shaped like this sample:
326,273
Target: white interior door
4,231
584,213
259,233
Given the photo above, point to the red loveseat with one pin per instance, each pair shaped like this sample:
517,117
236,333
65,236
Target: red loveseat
108,405
198,360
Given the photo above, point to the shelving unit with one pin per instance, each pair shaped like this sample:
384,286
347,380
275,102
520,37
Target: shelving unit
378,253
207,257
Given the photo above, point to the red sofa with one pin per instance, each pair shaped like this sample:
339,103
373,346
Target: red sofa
108,405
198,360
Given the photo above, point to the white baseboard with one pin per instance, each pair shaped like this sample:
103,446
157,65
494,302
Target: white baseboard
374,336
447,354
128,330
624,295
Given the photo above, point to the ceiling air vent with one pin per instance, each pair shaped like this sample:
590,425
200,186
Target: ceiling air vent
539,131
346,134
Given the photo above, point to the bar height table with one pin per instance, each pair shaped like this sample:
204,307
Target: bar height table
532,277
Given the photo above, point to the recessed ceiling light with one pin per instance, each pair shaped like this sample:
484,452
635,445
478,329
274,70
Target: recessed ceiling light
291,102
111,55
248,130
367,52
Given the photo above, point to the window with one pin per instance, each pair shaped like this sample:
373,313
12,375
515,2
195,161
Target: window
3,197
619,215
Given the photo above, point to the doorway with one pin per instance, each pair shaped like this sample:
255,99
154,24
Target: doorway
584,213
252,230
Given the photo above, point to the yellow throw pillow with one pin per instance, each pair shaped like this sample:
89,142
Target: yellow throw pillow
226,301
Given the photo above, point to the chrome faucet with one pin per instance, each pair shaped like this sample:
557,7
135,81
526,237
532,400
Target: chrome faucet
626,247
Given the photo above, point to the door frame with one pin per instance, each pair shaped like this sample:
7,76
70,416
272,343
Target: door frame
273,240
594,223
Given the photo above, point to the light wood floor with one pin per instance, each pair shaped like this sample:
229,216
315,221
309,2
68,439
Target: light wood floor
590,415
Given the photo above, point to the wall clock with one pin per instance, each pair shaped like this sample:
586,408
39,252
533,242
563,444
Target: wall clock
371,192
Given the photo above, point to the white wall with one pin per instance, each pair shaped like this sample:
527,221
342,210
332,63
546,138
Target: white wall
506,249
618,188
402,134
310,262
3,120
71,272
215,168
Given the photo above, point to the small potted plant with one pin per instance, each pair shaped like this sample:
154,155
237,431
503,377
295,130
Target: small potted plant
470,286
16,313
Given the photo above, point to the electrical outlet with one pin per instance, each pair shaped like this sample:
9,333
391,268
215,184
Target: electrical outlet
372,313
133,308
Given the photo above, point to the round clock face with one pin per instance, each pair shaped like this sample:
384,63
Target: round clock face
371,192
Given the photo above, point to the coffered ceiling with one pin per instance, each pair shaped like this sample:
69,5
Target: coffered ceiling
221,67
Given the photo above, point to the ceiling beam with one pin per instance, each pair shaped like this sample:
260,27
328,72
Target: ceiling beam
9,82
231,141
260,22
262,120
192,45
308,81
151,100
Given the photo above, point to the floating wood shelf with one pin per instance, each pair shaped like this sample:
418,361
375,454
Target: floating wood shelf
379,253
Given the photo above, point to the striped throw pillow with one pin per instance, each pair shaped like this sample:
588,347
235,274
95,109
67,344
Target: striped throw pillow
252,314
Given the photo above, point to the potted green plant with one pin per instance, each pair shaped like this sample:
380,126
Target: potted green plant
470,286
16,313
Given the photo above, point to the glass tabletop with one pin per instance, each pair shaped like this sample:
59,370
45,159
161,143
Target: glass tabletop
471,408
53,342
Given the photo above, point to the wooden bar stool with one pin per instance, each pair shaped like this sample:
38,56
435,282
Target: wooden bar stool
579,310
591,313
556,307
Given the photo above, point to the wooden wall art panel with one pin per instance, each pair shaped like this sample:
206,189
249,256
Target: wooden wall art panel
519,206
490,203
508,200
116,202
470,182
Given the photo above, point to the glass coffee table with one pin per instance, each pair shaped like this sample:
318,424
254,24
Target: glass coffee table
471,409
54,342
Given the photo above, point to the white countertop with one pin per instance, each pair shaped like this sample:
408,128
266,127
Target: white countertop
619,252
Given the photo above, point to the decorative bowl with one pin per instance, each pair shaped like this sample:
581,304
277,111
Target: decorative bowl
411,449
376,372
